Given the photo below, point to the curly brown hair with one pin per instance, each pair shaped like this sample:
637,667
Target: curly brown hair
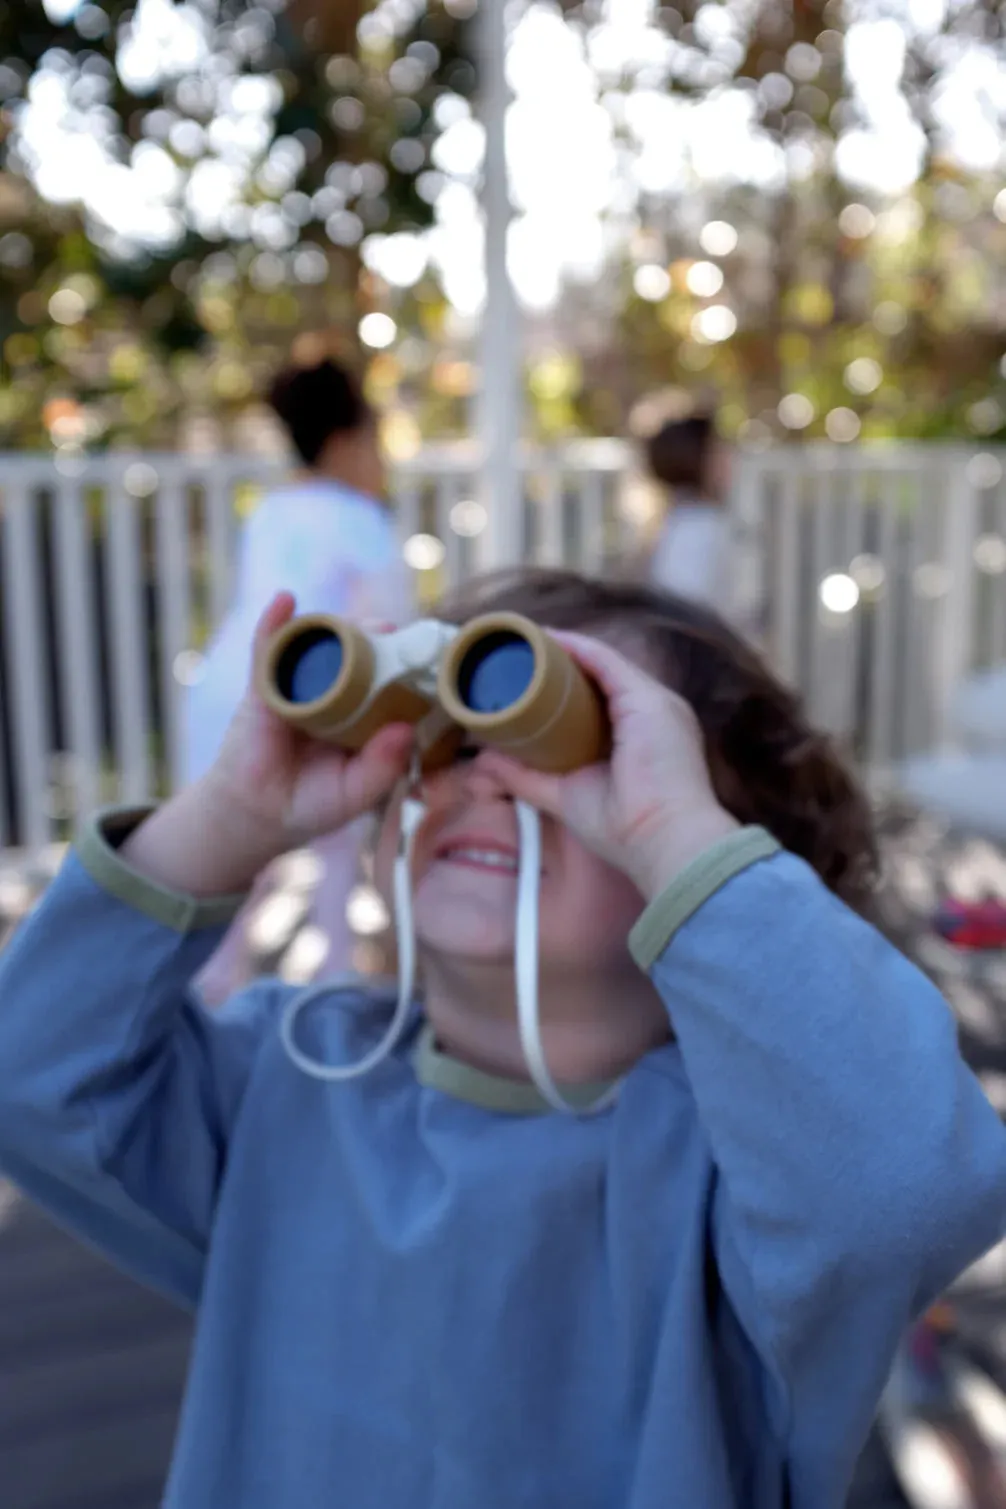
769,766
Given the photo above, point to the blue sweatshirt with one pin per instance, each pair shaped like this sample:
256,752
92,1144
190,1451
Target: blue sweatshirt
419,1291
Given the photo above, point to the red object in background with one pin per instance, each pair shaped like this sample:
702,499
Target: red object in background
973,924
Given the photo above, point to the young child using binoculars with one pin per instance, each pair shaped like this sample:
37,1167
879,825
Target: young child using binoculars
422,1288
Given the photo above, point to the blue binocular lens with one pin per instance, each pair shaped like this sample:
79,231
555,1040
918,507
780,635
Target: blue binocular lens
496,672
309,666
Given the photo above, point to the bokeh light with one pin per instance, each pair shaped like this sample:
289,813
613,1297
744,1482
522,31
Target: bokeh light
842,425
839,593
378,331
863,375
857,221
704,279
718,238
984,470
796,411
717,323
990,554
468,518
651,282
423,552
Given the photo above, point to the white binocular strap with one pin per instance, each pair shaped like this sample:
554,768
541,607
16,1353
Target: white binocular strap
412,815
526,951
526,964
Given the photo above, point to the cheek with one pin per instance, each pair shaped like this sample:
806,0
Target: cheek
587,915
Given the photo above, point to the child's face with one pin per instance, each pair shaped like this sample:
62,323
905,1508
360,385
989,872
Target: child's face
465,880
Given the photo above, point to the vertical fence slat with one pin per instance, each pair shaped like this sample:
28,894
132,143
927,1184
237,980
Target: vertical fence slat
551,535
954,638
7,725
825,627
130,700
27,665
851,545
591,503
407,506
747,544
880,733
837,667
786,585
76,622
447,494
408,512
174,611
220,529
997,615
926,612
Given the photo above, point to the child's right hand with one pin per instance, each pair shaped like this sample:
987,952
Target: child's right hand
290,788
270,790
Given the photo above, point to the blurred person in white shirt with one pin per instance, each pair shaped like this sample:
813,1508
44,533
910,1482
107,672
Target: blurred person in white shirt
692,554
328,536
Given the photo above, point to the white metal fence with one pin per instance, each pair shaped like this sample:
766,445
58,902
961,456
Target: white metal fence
114,569
878,577
113,572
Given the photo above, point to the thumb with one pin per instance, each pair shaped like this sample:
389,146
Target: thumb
371,775
538,789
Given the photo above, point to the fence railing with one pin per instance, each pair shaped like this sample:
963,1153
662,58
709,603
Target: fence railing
115,569
875,577
878,576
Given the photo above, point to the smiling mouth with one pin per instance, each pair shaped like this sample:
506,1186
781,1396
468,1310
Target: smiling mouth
480,859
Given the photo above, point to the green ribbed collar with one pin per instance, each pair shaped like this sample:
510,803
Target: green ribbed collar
510,1097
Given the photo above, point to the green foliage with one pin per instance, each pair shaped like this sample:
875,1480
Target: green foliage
142,338
845,305
824,279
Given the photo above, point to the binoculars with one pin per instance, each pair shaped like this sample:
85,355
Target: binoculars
499,681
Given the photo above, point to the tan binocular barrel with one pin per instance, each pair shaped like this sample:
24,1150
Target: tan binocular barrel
344,713
558,722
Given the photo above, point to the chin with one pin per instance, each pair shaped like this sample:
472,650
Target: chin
464,925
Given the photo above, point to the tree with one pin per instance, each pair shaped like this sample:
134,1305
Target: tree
282,138
858,311
840,309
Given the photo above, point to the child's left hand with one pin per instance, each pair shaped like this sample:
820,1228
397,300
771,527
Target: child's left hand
652,808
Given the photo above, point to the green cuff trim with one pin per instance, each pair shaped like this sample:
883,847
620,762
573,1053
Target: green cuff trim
669,912
511,1097
96,849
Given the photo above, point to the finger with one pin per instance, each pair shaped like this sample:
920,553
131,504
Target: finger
613,671
390,742
538,789
279,611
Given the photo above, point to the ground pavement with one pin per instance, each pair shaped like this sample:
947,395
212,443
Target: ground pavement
91,1366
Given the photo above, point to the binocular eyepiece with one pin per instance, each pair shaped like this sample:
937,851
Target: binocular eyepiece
500,680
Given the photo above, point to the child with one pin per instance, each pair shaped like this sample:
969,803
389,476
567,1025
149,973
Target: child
327,535
421,1289
692,555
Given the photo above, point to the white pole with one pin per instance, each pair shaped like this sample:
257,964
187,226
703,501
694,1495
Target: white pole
498,407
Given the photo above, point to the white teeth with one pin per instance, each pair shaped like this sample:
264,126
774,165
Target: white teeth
490,857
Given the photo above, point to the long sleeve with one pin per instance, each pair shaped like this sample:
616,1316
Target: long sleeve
117,1090
860,1167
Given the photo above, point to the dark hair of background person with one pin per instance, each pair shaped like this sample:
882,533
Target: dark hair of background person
678,453
316,403
768,765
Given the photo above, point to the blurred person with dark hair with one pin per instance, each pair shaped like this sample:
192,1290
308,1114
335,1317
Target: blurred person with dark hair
327,536
692,552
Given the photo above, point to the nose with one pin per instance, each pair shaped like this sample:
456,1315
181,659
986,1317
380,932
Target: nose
468,780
